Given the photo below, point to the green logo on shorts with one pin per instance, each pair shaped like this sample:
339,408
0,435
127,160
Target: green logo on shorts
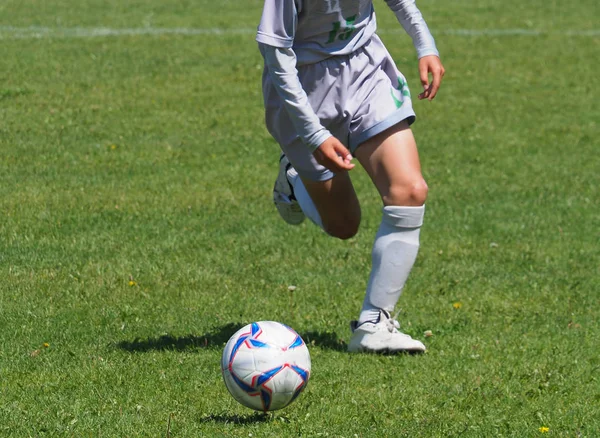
403,89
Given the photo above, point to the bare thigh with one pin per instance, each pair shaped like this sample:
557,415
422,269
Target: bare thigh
392,161
337,204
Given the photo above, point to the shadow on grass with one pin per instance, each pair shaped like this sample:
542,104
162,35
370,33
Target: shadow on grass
214,339
327,340
217,339
236,419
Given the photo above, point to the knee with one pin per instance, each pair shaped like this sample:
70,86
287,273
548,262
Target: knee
343,229
413,193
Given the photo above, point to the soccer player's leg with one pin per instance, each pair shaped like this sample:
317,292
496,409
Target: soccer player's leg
391,159
335,202
327,199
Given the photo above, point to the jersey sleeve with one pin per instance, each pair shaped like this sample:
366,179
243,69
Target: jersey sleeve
413,23
278,23
281,67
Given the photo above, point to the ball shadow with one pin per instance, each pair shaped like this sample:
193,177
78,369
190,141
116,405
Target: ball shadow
213,339
217,338
257,417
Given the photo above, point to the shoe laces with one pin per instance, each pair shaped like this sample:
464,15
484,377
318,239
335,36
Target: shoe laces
392,323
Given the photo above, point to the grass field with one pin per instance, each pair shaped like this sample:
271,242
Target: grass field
137,231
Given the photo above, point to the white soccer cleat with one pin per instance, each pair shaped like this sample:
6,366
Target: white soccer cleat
382,337
283,195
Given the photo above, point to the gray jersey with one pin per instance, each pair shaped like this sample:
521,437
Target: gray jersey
317,29
297,35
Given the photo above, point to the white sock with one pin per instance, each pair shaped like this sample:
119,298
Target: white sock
306,204
394,252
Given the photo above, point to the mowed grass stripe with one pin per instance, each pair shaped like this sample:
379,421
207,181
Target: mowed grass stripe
13,32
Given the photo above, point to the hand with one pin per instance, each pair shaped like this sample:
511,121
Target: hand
333,155
430,64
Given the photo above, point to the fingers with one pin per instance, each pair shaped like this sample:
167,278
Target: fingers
426,92
344,163
333,155
344,154
438,74
424,75
339,158
433,65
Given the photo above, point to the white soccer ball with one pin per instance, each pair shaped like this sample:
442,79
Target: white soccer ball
265,365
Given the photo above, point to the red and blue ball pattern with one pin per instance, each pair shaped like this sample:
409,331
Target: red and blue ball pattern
266,365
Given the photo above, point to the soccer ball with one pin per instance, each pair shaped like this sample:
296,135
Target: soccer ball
265,365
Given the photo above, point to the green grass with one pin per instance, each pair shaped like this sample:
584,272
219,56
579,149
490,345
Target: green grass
137,230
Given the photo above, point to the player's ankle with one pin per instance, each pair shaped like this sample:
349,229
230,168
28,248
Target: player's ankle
369,314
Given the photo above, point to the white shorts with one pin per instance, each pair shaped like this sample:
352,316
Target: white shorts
355,96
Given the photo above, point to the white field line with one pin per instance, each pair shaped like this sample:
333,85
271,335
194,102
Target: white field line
37,32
